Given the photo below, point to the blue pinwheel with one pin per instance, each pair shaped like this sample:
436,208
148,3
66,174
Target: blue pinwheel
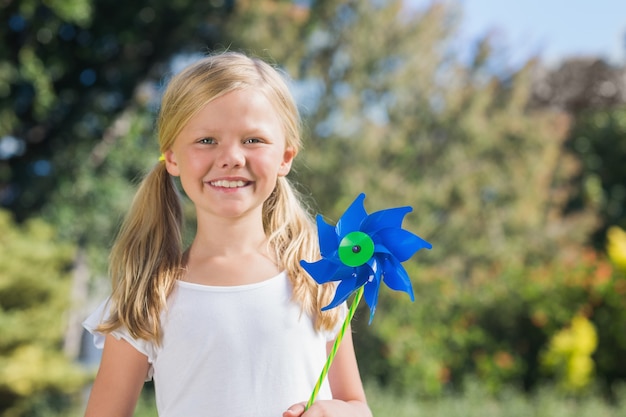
362,250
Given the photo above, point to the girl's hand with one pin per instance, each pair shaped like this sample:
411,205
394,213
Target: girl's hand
332,408
295,410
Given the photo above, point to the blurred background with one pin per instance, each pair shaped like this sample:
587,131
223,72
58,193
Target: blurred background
502,123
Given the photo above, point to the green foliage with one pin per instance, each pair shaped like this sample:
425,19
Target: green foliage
610,313
598,139
34,298
496,329
104,184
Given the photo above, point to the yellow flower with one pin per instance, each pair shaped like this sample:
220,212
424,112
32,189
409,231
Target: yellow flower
569,353
616,246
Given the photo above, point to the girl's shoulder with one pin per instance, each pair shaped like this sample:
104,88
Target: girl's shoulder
99,316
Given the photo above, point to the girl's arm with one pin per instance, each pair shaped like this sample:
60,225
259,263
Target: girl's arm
345,383
119,381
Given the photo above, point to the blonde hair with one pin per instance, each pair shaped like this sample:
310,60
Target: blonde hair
146,259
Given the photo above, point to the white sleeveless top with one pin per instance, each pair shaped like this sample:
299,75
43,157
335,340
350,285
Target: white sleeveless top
242,351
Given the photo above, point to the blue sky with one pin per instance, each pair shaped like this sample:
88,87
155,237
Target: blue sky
551,28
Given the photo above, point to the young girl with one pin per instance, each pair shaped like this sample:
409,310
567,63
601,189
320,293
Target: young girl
232,325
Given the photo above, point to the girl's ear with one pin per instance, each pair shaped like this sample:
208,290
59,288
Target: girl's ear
170,163
285,165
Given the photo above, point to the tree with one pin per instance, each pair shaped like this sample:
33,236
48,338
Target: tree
67,74
579,84
34,294
598,138
594,93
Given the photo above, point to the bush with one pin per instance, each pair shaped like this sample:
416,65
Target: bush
495,327
34,298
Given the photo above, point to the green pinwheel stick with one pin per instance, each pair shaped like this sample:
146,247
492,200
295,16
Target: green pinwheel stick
359,252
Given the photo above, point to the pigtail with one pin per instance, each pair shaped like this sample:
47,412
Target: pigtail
292,236
145,260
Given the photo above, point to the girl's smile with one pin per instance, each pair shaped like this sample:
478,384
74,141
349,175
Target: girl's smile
229,183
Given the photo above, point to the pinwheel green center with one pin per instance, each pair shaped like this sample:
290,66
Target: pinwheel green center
355,249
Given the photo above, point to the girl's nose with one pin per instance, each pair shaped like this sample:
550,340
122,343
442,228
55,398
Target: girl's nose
232,156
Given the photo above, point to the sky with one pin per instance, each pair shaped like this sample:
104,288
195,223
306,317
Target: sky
552,29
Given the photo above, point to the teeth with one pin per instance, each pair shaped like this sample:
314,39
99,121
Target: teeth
228,184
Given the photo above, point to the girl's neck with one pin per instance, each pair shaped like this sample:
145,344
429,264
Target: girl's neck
230,236
229,253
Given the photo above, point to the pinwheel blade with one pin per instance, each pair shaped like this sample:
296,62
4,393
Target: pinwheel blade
343,291
351,219
321,271
371,296
327,237
383,219
396,278
401,243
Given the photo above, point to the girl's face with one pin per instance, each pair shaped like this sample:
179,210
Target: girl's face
230,154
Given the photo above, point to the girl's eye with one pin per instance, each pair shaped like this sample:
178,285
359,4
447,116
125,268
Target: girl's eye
208,141
253,140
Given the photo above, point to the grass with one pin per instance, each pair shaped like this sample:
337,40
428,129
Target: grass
474,402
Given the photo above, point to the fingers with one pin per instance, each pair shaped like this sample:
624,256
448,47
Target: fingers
295,410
